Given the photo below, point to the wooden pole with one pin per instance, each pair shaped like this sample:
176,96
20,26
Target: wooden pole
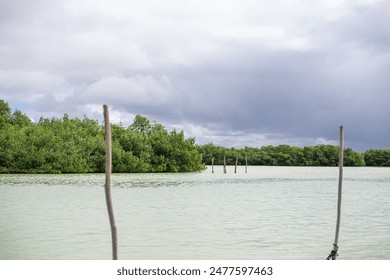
212,165
246,164
333,253
224,164
107,186
235,167
201,163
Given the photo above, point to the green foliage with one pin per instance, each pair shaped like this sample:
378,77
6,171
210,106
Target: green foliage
377,157
65,145
352,158
283,155
20,119
5,113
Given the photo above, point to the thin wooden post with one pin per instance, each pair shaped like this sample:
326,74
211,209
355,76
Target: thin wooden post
235,167
224,164
212,165
333,253
246,164
107,186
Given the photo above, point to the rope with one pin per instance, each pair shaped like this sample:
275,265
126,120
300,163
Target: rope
333,254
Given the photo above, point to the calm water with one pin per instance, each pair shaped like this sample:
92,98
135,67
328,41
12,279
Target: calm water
269,213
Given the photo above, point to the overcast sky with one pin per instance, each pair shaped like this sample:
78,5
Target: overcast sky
235,73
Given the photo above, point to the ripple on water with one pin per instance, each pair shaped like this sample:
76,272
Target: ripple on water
269,213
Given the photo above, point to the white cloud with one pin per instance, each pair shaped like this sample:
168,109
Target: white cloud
253,66
35,81
22,86
144,91
227,138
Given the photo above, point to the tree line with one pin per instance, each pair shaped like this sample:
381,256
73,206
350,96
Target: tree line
285,155
66,145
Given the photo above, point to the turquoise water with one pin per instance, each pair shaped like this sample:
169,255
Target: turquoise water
268,213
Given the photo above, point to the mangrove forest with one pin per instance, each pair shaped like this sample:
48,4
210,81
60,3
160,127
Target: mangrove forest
73,145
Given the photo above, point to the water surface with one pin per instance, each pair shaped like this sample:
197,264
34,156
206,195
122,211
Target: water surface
268,213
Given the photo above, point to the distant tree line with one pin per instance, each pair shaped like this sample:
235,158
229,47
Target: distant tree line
65,145
285,155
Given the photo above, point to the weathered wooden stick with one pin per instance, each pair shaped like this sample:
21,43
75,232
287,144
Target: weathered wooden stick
235,167
246,164
212,165
224,164
340,188
107,186
333,253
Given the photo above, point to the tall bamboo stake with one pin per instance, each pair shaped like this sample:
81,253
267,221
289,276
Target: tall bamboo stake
224,164
235,167
333,253
246,164
212,165
107,186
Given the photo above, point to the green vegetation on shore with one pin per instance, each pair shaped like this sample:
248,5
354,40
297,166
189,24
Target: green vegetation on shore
285,155
282,155
65,145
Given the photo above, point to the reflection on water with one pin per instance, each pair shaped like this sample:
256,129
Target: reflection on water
269,213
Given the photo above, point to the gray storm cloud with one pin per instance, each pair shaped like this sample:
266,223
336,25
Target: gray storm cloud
234,73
